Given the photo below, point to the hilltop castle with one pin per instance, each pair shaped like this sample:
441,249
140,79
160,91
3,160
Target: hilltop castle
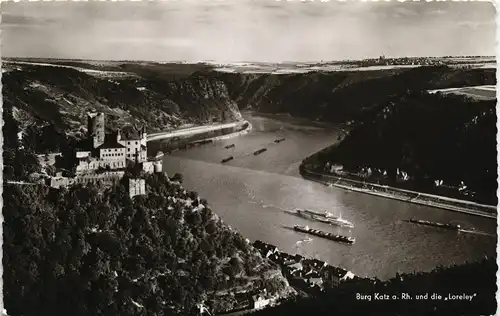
113,151
107,156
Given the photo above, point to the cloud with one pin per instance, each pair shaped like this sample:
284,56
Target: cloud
166,42
473,24
260,30
404,12
21,20
437,12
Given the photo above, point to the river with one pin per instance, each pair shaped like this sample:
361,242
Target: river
252,194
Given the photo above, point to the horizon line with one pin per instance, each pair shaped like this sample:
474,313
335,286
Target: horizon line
244,61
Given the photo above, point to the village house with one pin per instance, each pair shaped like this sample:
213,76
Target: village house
266,249
293,268
333,276
316,281
259,301
314,264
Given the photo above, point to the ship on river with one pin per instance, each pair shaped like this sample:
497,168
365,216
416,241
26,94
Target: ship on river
277,141
260,151
230,146
435,224
326,235
326,217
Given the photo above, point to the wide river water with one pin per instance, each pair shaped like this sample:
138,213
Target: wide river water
252,194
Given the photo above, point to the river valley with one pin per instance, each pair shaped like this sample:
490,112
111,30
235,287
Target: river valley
252,194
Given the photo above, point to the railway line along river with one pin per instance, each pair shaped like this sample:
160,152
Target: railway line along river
253,194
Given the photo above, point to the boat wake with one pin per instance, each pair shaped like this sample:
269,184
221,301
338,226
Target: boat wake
303,241
273,206
476,232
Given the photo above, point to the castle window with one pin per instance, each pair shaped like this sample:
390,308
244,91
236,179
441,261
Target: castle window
136,143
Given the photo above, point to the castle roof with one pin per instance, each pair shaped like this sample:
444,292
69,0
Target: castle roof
132,132
110,142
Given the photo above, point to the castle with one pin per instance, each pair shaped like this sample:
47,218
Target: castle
112,151
107,156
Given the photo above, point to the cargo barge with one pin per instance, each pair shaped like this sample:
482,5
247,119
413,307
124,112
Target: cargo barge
260,151
319,233
277,141
435,224
230,146
227,159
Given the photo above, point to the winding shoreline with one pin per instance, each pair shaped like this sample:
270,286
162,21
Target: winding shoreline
394,193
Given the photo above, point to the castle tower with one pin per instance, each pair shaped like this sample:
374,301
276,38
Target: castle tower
96,128
158,166
144,136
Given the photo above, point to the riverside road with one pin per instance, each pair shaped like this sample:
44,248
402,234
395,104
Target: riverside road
253,194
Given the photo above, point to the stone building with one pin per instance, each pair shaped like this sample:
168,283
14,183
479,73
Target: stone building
108,155
153,166
105,178
136,145
136,187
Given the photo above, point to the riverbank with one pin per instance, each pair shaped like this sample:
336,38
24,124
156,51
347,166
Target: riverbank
190,131
441,202
178,139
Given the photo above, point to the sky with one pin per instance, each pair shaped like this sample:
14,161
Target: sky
245,30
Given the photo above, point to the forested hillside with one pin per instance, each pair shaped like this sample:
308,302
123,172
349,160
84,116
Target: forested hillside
90,251
428,137
86,252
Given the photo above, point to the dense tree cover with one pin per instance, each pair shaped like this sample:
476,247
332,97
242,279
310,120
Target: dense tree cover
473,278
83,251
344,95
18,162
42,139
431,137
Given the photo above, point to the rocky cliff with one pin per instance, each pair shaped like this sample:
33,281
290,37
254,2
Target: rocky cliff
342,96
40,94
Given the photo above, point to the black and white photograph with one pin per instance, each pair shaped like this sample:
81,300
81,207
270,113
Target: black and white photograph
249,157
